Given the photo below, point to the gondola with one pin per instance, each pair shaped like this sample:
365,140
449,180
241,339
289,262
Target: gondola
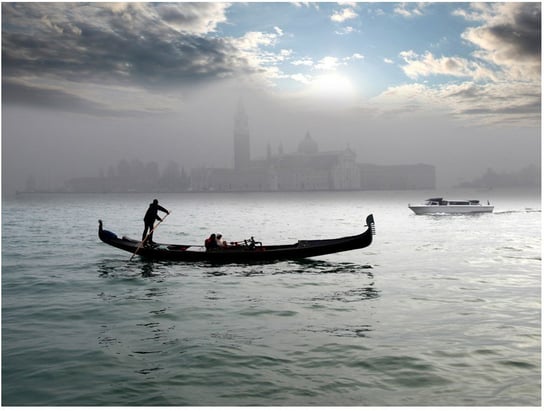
246,251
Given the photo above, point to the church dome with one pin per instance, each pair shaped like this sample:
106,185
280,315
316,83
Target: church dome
308,145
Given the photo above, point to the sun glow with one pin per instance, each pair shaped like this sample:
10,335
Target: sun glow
332,85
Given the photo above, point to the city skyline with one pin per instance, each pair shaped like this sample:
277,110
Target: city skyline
86,84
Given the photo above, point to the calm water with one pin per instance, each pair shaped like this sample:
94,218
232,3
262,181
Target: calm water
437,311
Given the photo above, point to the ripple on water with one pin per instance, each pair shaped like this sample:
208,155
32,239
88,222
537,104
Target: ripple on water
352,331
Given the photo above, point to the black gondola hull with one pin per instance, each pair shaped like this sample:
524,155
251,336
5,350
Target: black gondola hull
240,254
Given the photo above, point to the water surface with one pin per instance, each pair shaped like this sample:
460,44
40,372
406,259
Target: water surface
437,311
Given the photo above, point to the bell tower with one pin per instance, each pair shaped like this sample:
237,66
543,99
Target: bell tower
241,139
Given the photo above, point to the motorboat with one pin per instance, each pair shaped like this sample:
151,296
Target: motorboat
440,206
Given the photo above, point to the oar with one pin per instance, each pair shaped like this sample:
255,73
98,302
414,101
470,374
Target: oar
148,234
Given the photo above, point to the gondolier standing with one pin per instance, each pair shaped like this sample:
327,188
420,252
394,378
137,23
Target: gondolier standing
150,216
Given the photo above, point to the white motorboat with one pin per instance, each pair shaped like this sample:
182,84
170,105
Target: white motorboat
441,206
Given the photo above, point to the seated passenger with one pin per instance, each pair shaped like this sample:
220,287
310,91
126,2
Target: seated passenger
211,242
220,242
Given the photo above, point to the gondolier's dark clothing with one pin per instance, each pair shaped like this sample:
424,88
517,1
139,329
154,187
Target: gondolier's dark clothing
150,217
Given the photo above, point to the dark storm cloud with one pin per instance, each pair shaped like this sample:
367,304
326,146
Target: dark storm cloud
511,38
188,16
528,28
144,45
523,35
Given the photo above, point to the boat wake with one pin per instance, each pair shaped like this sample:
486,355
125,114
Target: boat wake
525,211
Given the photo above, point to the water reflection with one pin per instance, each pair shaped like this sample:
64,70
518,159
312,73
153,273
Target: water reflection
351,295
358,294
147,269
107,268
361,330
152,269
121,269
326,267
306,266
347,330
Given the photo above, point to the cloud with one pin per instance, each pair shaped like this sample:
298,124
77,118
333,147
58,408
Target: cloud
93,101
261,63
328,63
355,56
148,45
339,16
53,98
301,78
427,65
509,37
253,40
495,103
303,62
502,77
189,18
491,103
307,4
410,9
346,30
351,4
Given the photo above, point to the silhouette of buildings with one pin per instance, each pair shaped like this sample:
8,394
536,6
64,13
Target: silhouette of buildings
133,176
307,169
529,176
242,158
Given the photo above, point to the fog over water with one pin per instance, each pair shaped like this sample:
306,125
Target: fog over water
85,86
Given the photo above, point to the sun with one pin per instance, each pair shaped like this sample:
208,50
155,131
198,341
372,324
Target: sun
332,85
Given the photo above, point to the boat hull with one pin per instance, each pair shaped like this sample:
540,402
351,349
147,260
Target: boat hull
241,254
451,209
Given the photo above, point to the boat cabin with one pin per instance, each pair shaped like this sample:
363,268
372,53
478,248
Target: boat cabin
439,201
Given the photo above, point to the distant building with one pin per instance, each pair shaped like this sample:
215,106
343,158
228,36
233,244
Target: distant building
529,176
242,150
307,169
134,177
89,185
246,175
227,179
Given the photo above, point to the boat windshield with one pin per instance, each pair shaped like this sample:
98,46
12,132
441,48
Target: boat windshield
435,201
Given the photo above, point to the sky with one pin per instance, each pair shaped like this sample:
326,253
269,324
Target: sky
84,85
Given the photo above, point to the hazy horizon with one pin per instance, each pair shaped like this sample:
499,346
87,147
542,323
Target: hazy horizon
455,85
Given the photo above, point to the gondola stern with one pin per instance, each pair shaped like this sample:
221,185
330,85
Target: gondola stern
105,235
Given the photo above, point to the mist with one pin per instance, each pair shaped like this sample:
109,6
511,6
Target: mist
58,146
115,86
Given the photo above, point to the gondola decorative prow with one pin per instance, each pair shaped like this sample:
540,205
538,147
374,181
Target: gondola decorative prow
370,223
